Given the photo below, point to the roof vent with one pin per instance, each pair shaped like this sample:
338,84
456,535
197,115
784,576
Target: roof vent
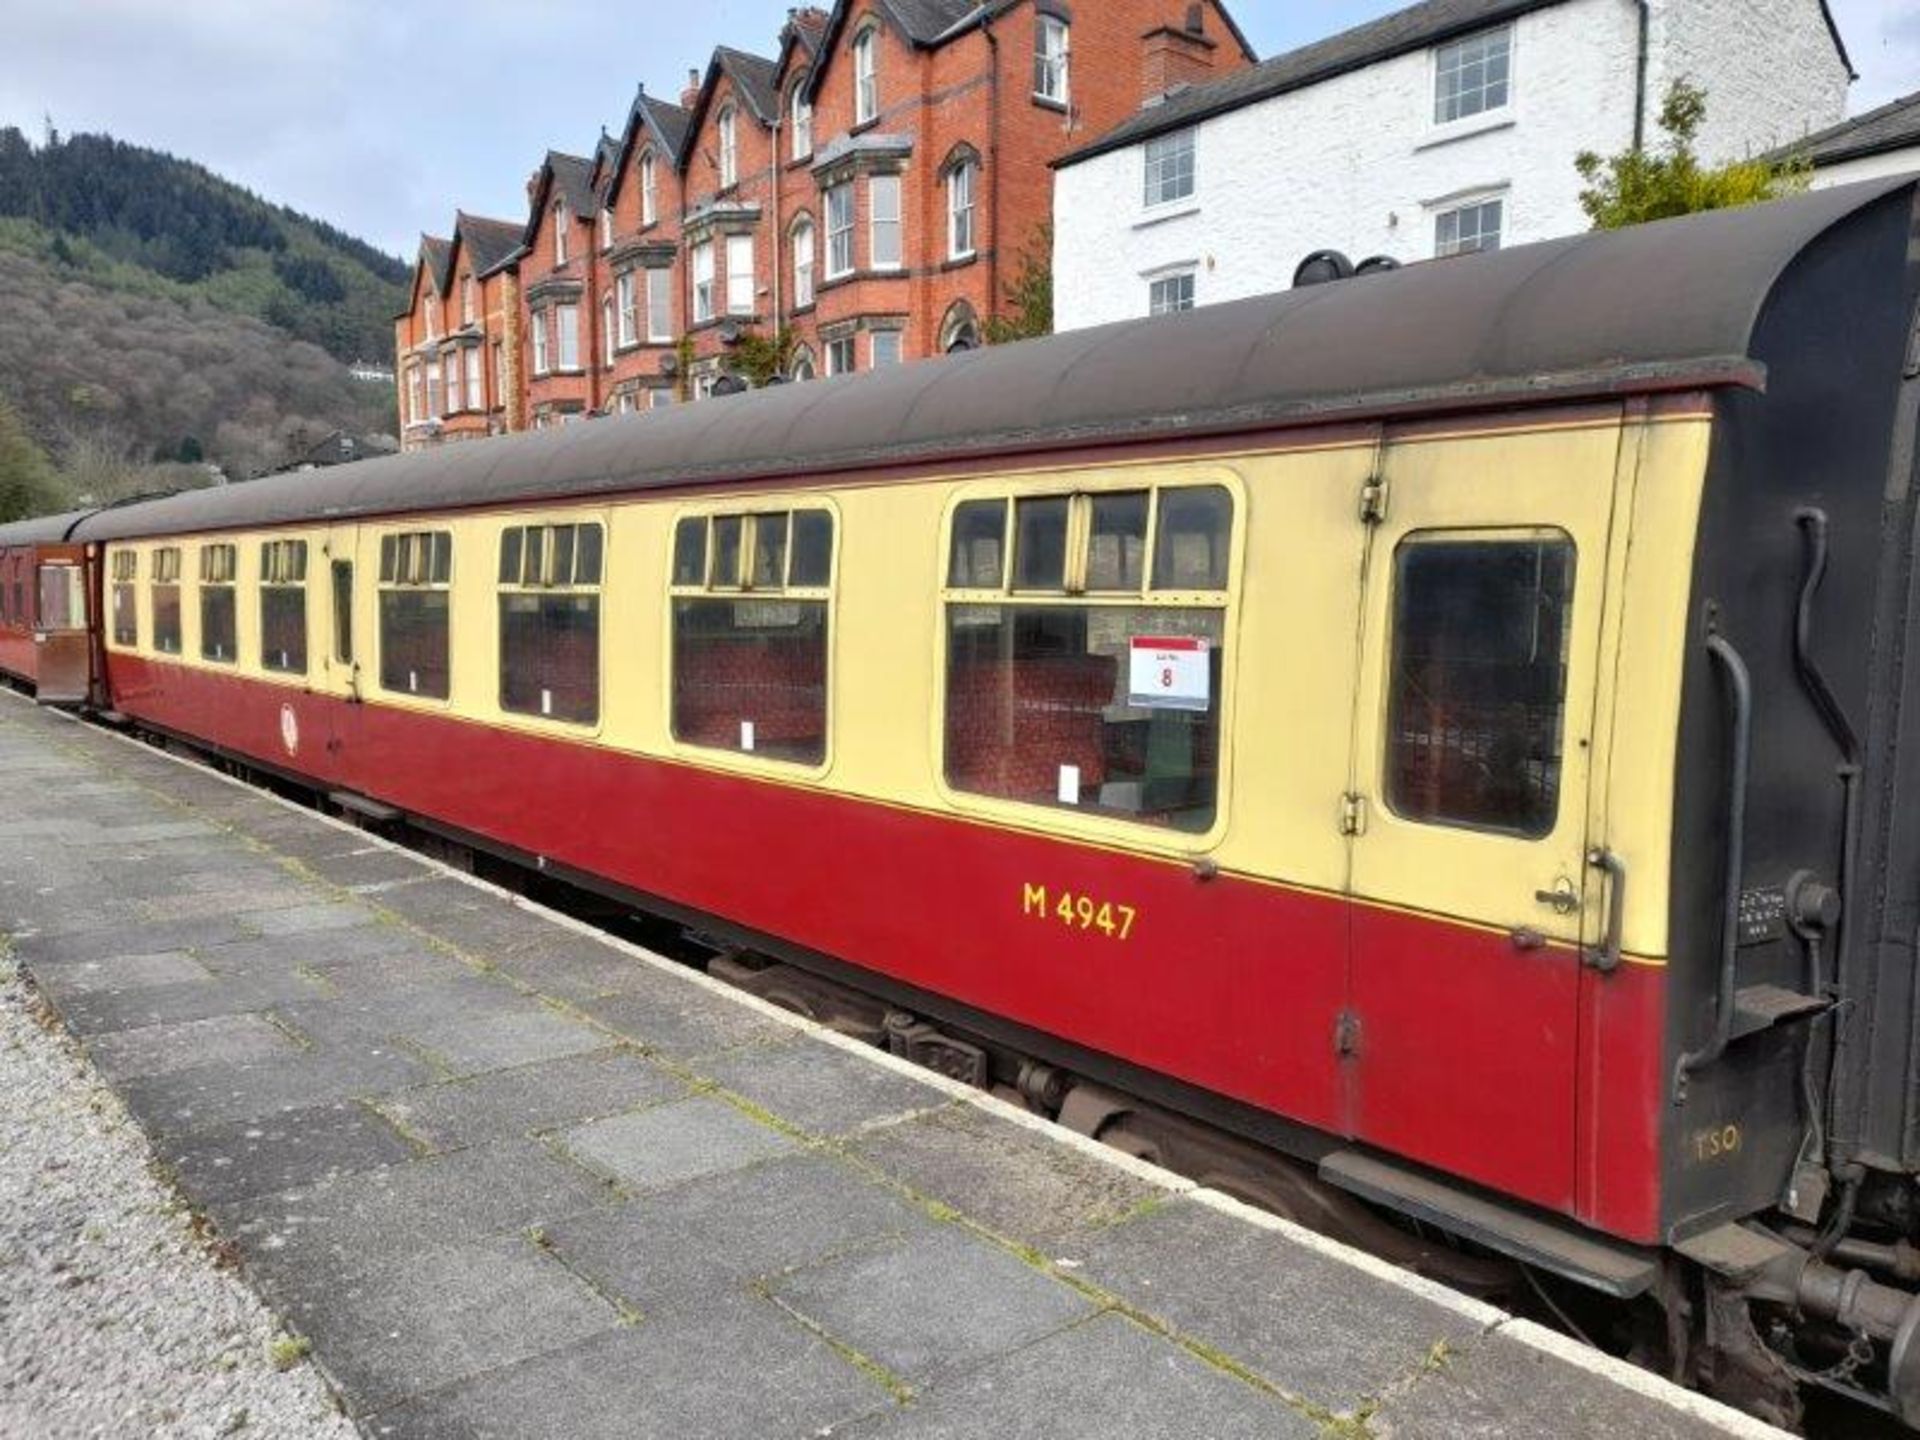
1376,265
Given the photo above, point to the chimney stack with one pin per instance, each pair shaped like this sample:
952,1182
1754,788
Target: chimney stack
692,93
1175,57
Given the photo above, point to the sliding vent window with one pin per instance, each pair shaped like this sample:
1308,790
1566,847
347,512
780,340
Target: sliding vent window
416,578
166,600
126,607
217,574
1070,681
550,621
1478,684
750,617
283,606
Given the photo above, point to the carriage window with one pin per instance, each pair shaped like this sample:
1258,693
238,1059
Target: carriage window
1478,684
550,621
750,666
283,606
979,546
343,612
416,573
62,598
166,600
217,568
1085,689
126,612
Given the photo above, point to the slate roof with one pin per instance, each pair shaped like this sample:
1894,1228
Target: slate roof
1894,126
574,175
753,78
1404,31
491,243
437,255
929,23
669,125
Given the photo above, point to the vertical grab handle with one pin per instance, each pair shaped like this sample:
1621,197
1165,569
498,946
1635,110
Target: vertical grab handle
1606,958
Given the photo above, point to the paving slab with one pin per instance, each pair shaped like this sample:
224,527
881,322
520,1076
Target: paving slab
1017,1181
220,1164
821,1088
678,1252
1301,1320
513,1180
936,1304
748,1375
446,1315
162,1049
667,1144
530,1099
1101,1380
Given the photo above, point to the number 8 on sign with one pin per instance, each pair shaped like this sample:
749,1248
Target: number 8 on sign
1169,672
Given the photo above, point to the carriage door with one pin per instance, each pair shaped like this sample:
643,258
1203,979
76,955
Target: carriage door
64,658
1481,619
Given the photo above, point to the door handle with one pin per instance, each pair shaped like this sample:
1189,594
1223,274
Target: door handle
1606,959
1562,899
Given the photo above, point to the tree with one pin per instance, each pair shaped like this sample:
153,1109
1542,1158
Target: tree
28,485
1029,293
757,358
1635,185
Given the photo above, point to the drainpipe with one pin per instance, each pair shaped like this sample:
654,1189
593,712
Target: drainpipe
1645,8
993,173
773,185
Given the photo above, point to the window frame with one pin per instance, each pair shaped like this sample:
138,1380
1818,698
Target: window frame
210,554
832,349
1051,64
542,341
559,233
805,286
840,230
607,338
381,585
627,297
828,594
1189,274
1438,72
1439,535
727,128
659,333
702,260
800,123
164,574
123,575
1455,210
877,223
1105,825
738,304
1156,169
597,589
471,362
649,193
269,559
899,345
562,314
961,202
866,76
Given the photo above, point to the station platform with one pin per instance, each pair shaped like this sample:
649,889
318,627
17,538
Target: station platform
513,1178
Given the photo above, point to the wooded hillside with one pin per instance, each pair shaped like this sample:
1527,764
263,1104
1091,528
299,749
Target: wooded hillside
154,314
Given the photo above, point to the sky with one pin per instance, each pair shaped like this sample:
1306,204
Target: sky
384,116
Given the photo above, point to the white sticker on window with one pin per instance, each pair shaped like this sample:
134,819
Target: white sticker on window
1069,784
546,702
413,681
1169,672
746,735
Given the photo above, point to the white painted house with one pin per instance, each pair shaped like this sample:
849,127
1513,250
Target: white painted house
1884,141
1449,126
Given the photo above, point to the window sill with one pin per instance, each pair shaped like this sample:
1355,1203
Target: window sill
1177,210
806,309
960,262
860,127
1047,102
1438,135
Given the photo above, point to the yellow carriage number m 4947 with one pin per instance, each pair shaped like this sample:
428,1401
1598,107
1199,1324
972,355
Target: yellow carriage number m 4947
1078,911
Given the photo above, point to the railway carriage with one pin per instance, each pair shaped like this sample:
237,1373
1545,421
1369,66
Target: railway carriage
46,642
1446,729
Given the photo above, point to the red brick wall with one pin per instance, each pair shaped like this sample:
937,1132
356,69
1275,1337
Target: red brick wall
558,391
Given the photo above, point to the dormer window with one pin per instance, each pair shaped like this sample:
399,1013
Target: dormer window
649,195
1050,59
866,77
559,232
802,123
729,149
1472,76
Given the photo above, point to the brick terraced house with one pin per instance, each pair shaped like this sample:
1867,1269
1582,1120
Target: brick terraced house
867,195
